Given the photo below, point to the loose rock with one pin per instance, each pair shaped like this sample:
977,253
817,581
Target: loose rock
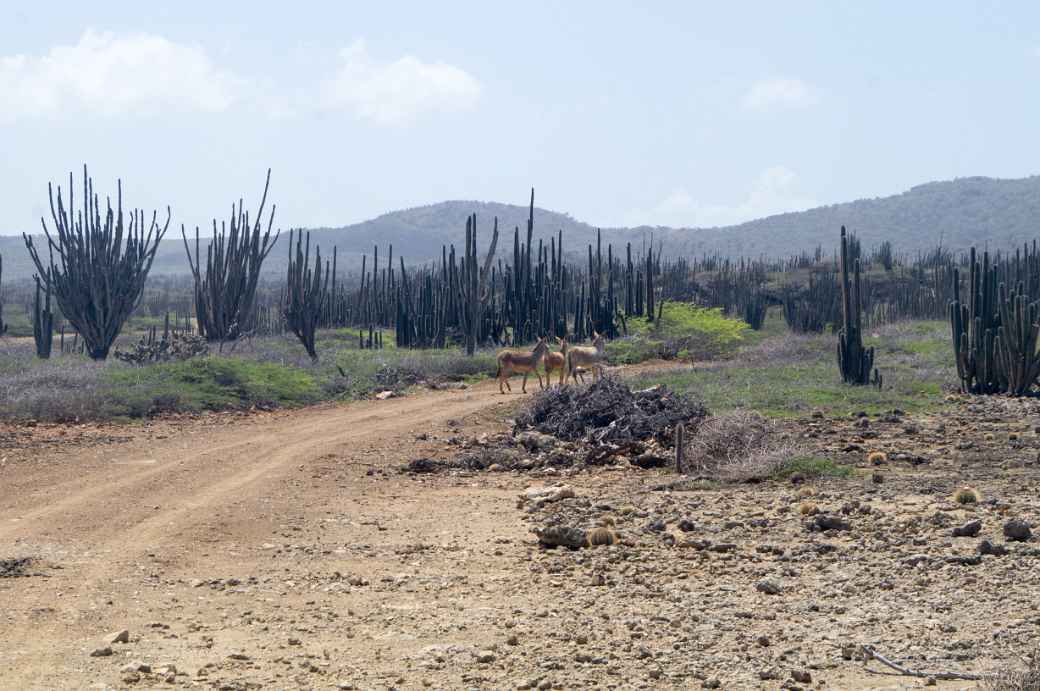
970,529
1017,530
768,587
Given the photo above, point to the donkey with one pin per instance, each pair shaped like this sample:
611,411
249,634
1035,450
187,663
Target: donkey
557,361
587,358
510,363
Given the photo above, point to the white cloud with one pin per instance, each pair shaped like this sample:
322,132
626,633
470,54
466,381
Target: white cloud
397,92
108,75
773,192
773,94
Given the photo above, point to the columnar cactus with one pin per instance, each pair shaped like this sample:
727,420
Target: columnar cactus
855,361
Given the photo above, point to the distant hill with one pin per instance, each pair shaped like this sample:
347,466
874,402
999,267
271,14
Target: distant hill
962,212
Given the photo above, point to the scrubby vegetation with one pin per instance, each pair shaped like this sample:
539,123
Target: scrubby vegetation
683,332
264,373
784,374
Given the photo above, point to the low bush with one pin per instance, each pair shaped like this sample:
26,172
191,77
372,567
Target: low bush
1022,679
62,389
810,467
743,446
683,331
264,372
209,383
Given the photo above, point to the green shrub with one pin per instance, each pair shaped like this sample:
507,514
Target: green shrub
684,332
812,466
211,383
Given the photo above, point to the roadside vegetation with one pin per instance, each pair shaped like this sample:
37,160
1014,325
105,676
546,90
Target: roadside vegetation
266,372
782,374
771,371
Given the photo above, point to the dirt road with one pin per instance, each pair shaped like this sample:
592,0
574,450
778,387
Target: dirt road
284,550
124,534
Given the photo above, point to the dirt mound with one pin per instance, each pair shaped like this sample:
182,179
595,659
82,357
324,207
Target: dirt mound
609,412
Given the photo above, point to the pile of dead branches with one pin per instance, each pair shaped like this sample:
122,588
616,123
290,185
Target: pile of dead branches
608,412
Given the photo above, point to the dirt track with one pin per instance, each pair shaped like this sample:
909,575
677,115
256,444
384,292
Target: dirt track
123,531
283,550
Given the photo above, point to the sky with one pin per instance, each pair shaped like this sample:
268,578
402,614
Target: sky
619,113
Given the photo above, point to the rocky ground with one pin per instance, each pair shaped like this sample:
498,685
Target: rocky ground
336,561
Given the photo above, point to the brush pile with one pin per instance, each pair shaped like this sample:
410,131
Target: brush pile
605,423
608,412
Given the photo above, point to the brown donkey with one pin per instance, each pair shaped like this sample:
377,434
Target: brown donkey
587,358
510,363
556,361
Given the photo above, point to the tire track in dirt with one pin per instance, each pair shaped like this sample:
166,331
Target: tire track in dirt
224,467
107,520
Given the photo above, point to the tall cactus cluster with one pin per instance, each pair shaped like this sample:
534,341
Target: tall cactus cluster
813,308
644,278
855,362
225,289
102,262
995,330
43,319
474,283
306,291
475,303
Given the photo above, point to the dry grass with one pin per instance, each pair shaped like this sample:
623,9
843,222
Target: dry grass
64,388
740,446
1027,679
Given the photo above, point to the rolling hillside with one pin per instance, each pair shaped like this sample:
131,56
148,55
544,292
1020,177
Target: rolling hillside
962,212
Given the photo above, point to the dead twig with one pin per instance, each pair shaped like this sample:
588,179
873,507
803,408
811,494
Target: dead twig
602,454
873,654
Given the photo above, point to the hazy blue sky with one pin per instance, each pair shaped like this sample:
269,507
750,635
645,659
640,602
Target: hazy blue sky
664,113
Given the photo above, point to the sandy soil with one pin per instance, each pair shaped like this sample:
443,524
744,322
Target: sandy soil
287,550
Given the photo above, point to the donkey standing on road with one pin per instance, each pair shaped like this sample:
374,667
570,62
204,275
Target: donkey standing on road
584,357
510,363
